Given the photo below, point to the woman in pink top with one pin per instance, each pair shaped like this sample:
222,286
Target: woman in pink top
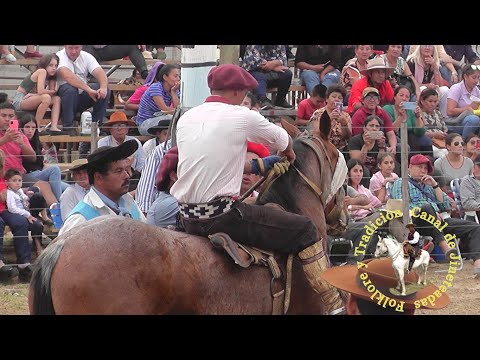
381,179
133,101
355,175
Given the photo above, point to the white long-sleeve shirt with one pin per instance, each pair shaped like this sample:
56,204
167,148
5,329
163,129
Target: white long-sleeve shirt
15,202
212,147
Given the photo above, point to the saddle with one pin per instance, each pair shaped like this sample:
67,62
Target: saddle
409,250
245,256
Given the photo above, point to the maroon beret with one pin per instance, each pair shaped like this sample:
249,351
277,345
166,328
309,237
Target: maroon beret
169,163
230,77
420,159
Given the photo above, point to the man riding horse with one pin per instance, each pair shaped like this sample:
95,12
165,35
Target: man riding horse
212,140
413,238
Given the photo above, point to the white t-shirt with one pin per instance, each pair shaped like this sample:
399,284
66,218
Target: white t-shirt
82,66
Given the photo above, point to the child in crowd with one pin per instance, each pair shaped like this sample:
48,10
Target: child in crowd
307,107
251,101
38,91
379,180
17,203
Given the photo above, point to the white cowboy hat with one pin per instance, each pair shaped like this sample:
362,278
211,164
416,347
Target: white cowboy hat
377,63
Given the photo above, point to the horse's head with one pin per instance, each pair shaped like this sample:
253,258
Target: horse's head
381,249
307,186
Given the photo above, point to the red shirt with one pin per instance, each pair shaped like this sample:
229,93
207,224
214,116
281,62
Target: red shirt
385,90
3,186
306,109
358,119
13,154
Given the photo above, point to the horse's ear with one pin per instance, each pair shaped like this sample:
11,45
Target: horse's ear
325,125
291,129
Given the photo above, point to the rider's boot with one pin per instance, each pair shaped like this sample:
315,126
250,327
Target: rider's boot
315,261
410,264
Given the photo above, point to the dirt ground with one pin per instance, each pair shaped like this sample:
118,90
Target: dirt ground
464,294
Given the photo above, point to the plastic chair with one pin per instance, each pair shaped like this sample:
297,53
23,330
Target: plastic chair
56,215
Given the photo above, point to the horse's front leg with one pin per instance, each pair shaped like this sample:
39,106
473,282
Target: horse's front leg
397,275
401,275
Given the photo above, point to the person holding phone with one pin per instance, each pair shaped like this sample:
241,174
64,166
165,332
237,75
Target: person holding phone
365,147
318,64
404,111
340,122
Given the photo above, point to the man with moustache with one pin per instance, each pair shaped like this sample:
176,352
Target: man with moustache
109,174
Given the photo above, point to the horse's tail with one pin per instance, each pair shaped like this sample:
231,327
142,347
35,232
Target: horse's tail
41,280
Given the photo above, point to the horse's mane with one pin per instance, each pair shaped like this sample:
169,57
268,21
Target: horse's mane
282,190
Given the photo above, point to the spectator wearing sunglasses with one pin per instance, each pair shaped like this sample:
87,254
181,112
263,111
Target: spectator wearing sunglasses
454,164
462,101
471,149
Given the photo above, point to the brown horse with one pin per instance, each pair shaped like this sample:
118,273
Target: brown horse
115,265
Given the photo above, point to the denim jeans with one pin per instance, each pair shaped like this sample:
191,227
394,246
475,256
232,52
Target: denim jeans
73,102
311,78
52,175
19,226
470,124
282,83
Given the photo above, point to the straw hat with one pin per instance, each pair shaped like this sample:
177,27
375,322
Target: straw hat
377,63
79,164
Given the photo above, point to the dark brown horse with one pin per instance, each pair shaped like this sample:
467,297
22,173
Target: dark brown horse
115,265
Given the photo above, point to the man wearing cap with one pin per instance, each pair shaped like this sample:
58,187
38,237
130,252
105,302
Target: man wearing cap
425,193
380,274
212,142
76,191
370,101
375,75
118,125
109,174
160,133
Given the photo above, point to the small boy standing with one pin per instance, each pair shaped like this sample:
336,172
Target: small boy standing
17,203
307,107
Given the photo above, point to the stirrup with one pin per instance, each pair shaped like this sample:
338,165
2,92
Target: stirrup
340,311
222,240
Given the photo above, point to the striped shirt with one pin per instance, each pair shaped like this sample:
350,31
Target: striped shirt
417,198
148,107
212,147
147,192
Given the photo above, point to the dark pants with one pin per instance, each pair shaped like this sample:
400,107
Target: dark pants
282,83
260,226
73,102
19,226
467,231
114,52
